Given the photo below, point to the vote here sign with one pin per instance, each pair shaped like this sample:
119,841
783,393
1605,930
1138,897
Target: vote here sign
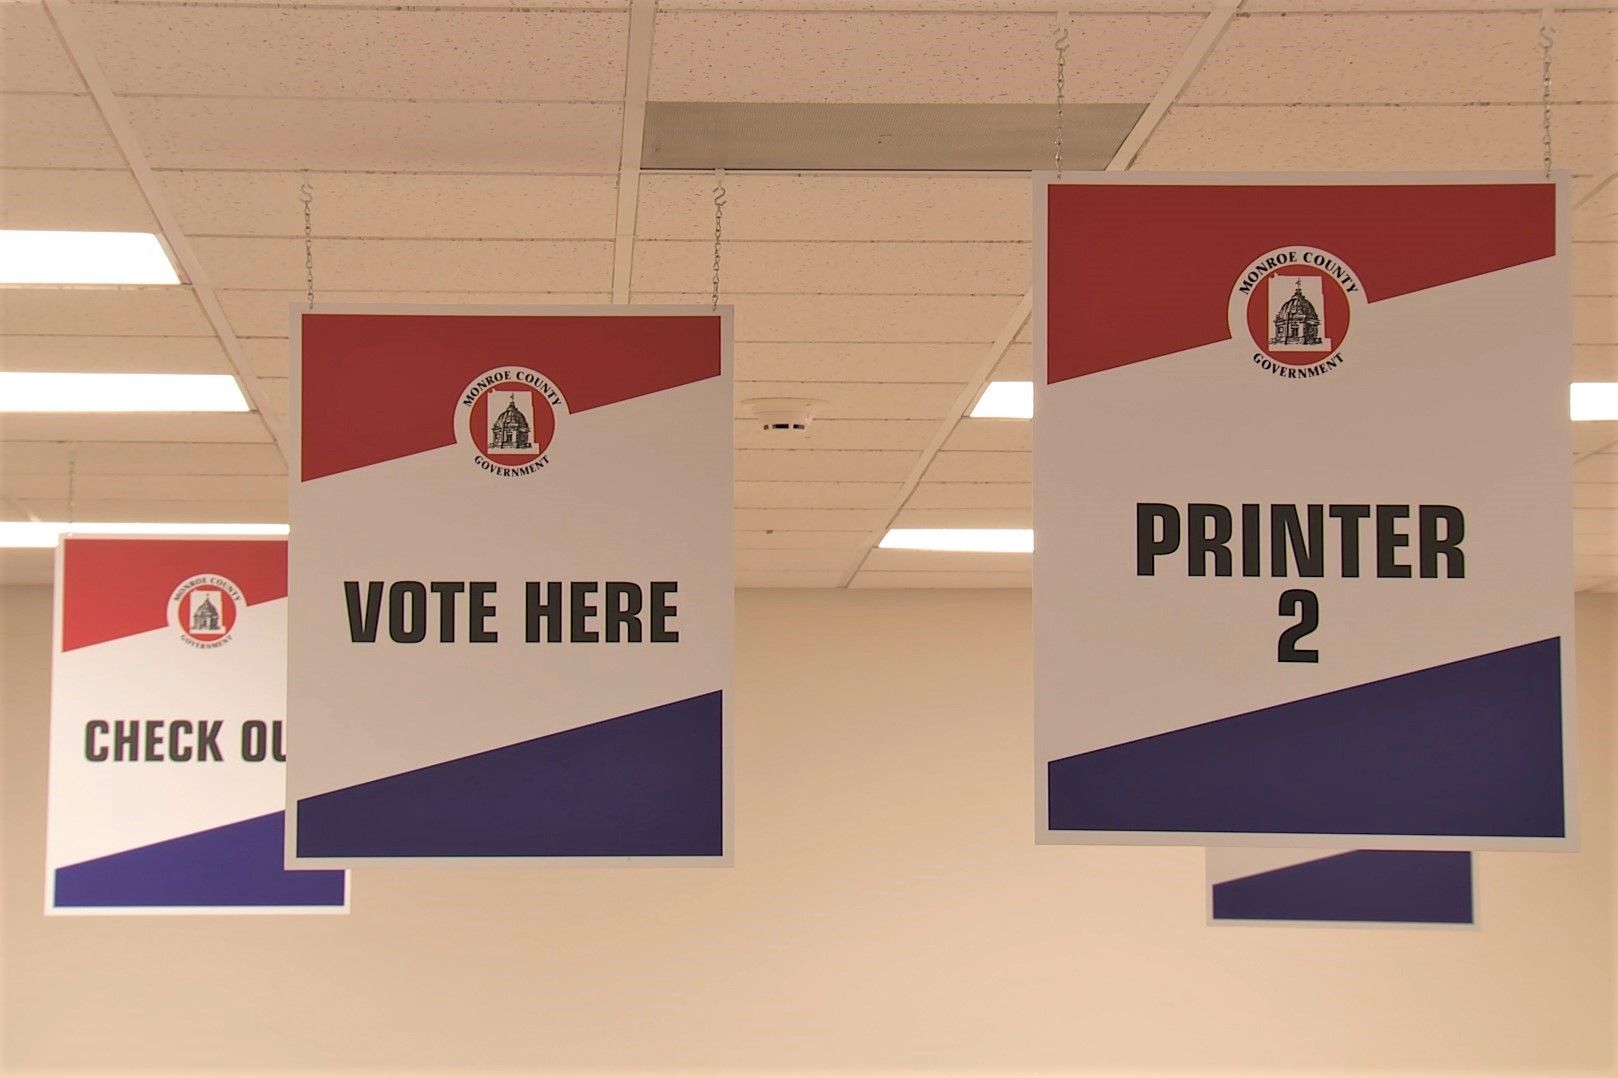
1301,486
511,583
168,701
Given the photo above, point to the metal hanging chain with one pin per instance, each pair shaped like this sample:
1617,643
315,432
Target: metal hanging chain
307,194
1061,89
718,227
1547,37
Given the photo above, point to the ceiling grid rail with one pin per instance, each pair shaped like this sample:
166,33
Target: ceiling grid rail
637,84
1196,54
77,43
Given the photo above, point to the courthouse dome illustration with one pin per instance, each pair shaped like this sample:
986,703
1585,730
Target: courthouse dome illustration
511,429
1297,322
205,617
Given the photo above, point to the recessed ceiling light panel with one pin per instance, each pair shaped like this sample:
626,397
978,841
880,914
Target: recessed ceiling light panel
1594,401
45,533
1005,400
962,540
52,391
29,257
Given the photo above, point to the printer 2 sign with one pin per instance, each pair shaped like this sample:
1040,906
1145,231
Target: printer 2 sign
510,604
1301,490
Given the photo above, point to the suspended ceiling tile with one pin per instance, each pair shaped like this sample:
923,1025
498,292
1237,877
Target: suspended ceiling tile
1595,268
872,268
854,361
935,495
99,200
1592,437
278,391
756,494
1595,319
410,265
1366,57
846,541
830,207
978,467
1584,137
839,434
99,456
964,518
248,50
135,312
823,465
945,561
54,131
178,355
825,561
1308,138
789,578
1043,7
269,313
943,579
1595,495
1017,365
1588,544
152,511
1595,522
255,133
268,357
1001,435
1597,219
1595,363
1597,468
361,204
134,427
860,400
1582,57
1596,566
866,319
873,57
31,54
270,489
27,566
821,520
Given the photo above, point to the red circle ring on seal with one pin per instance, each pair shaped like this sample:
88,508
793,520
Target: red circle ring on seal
1292,310
509,418
204,609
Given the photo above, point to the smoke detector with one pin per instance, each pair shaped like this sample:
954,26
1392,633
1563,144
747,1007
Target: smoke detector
782,413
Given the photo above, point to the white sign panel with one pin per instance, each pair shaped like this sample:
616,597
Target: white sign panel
168,693
511,583
1301,461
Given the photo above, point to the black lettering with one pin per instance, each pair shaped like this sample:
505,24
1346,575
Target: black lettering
1200,543
1251,565
208,740
663,611
550,611
407,612
1149,544
622,610
362,622
1287,533
1449,546
180,752
255,743
153,747
93,752
1350,516
583,608
278,745
482,611
446,590
1389,540
125,741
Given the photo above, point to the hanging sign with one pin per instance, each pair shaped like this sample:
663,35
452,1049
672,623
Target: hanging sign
168,693
511,583
1301,486
1391,887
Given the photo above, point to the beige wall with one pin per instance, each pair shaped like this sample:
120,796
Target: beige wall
887,911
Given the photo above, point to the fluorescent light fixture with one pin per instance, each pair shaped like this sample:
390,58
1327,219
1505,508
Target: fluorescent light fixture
40,391
44,533
96,258
1595,400
976,540
1005,400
